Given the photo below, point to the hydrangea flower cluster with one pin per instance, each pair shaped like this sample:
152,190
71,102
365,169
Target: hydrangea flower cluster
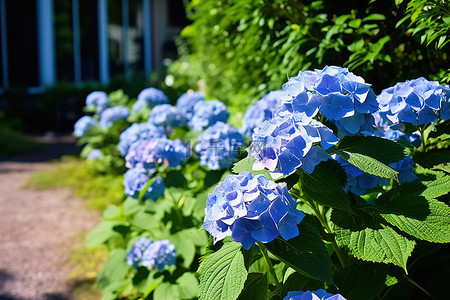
315,295
262,110
163,151
218,146
405,169
153,255
113,114
150,97
285,143
207,113
416,101
99,100
136,179
251,208
166,115
83,125
343,98
138,131
397,135
95,154
187,101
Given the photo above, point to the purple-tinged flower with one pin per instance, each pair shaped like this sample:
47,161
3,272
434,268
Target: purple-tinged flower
167,116
405,169
416,101
136,132
84,124
262,110
187,101
207,113
99,100
113,114
159,254
282,144
251,208
134,256
219,145
135,180
135,157
150,97
316,295
94,154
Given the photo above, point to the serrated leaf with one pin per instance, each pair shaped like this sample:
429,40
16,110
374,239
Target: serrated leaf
368,239
114,269
383,150
425,219
307,254
256,287
325,185
369,165
436,188
223,273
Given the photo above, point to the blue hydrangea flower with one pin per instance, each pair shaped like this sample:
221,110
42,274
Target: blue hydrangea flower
138,131
316,295
218,146
113,114
397,135
149,97
207,113
282,144
405,169
99,100
163,151
134,256
343,98
95,154
135,180
84,124
167,116
416,101
159,254
187,101
251,208
262,110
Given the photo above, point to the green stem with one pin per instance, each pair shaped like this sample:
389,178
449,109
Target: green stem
269,263
423,138
418,286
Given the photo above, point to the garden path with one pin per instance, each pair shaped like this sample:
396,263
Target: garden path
38,229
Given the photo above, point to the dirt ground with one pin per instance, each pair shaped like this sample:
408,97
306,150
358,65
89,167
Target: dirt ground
38,228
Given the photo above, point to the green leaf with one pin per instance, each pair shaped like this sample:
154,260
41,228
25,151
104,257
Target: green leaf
256,287
223,273
374,17
102,233
369,165
167,291
361,280
114,269
383,150
246,164
425,219
325,185
367,238
188,286
307,254
299,282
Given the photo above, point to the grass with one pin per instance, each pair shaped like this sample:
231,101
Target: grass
71,172
13,142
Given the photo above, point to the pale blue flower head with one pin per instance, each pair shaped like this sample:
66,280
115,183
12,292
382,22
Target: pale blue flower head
150,97
405,169
134,256
138,131
262,110
135,156
315,295
159,254
167,116
218,146
282,144
99,100
84,124
207,113
187,101
135,180
113,114
95,154
251,208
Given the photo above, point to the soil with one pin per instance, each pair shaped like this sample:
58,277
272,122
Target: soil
38,229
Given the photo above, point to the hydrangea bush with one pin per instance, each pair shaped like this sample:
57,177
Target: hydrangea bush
337,193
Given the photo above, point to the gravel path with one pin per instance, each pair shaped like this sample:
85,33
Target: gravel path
36,228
